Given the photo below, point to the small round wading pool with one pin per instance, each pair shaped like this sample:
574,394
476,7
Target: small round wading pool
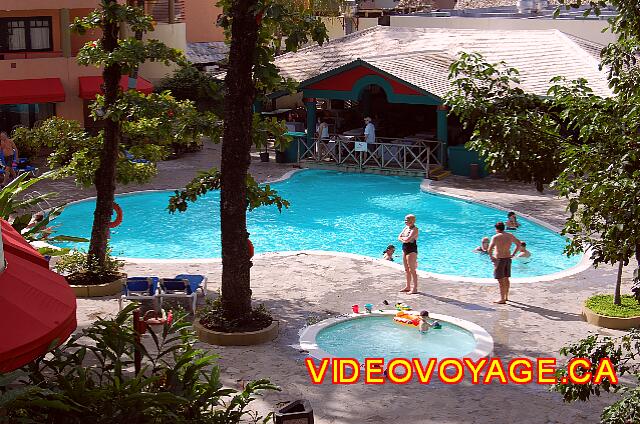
377,335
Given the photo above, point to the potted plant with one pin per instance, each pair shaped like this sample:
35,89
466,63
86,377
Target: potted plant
281,157
264,156
89,280
212,327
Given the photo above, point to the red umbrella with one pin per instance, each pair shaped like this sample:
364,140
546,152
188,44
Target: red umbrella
37,305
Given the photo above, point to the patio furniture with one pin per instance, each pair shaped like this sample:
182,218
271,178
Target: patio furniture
177,288
140,288
196,281
133,159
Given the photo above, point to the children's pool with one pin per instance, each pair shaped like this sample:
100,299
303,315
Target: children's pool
330,211
381,337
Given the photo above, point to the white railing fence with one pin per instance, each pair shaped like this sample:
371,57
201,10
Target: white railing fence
385,153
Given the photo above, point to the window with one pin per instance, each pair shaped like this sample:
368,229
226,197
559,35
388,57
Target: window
26,34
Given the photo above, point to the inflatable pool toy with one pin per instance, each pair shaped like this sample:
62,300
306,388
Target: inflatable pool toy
402,307
436,325
407,319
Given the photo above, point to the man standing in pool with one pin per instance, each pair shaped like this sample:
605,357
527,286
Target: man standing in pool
500,253
409,237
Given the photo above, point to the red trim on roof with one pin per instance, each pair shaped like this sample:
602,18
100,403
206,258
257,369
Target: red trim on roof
29,91
91,86
345,81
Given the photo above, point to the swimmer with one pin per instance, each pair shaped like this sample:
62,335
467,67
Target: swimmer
388,252
524,254
484,246
512,221
424,324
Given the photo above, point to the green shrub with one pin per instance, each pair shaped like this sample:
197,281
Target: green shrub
80,270
91,379
603,304
211,316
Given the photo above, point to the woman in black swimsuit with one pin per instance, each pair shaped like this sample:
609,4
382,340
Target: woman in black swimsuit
409,237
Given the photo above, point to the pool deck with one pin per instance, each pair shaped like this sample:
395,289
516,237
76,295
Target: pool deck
303,287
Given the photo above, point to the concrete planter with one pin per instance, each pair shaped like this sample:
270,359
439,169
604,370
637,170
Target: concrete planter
99,290
236,339
610,322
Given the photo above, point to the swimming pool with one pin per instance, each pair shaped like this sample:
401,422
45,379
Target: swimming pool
378,336
330,211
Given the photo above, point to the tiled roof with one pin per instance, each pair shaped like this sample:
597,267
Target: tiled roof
207,52
539,55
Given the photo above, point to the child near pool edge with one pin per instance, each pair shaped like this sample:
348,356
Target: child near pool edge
424,324
388,252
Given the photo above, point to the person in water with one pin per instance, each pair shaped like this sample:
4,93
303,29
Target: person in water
388,252
409,237
484,246
524,255
512,221
424,324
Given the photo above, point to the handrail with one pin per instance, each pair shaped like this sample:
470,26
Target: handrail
343,150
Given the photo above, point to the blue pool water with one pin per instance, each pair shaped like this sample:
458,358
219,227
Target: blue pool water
332,211
381,337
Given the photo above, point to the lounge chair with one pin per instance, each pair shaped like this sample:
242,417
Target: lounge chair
140,288
179,288
195,281
19,165
133,159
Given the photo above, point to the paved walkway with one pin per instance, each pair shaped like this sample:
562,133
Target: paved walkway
301,288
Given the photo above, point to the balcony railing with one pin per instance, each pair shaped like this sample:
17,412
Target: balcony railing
385,153
165,11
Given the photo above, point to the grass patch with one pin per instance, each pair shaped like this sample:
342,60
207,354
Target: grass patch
603,304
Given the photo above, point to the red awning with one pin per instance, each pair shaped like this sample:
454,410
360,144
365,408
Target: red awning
29,91
91,86
37,305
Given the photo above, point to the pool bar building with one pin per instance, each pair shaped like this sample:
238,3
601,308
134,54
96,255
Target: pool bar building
399,77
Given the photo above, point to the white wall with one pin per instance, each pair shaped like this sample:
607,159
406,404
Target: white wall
173,35
587,29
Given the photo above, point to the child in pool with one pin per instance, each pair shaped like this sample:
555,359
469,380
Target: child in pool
524,254
424,324
388,252
512,221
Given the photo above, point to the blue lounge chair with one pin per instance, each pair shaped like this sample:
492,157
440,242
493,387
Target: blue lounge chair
195,281
179,288
139,288
19,165
133,159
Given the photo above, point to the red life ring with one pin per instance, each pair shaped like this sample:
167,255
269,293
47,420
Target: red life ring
118,220
251,251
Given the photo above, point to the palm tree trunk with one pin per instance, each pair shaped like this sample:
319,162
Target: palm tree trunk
616,297
236,147
105,178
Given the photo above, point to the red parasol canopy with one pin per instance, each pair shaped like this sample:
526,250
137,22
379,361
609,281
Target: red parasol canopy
37,305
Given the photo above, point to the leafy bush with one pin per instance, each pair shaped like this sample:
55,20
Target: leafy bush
603,304
188,83
17,205
624,353
80,270
211,316
90,379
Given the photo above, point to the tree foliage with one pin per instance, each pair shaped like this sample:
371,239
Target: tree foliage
623,352
188,83
90,378
257,31
584,144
